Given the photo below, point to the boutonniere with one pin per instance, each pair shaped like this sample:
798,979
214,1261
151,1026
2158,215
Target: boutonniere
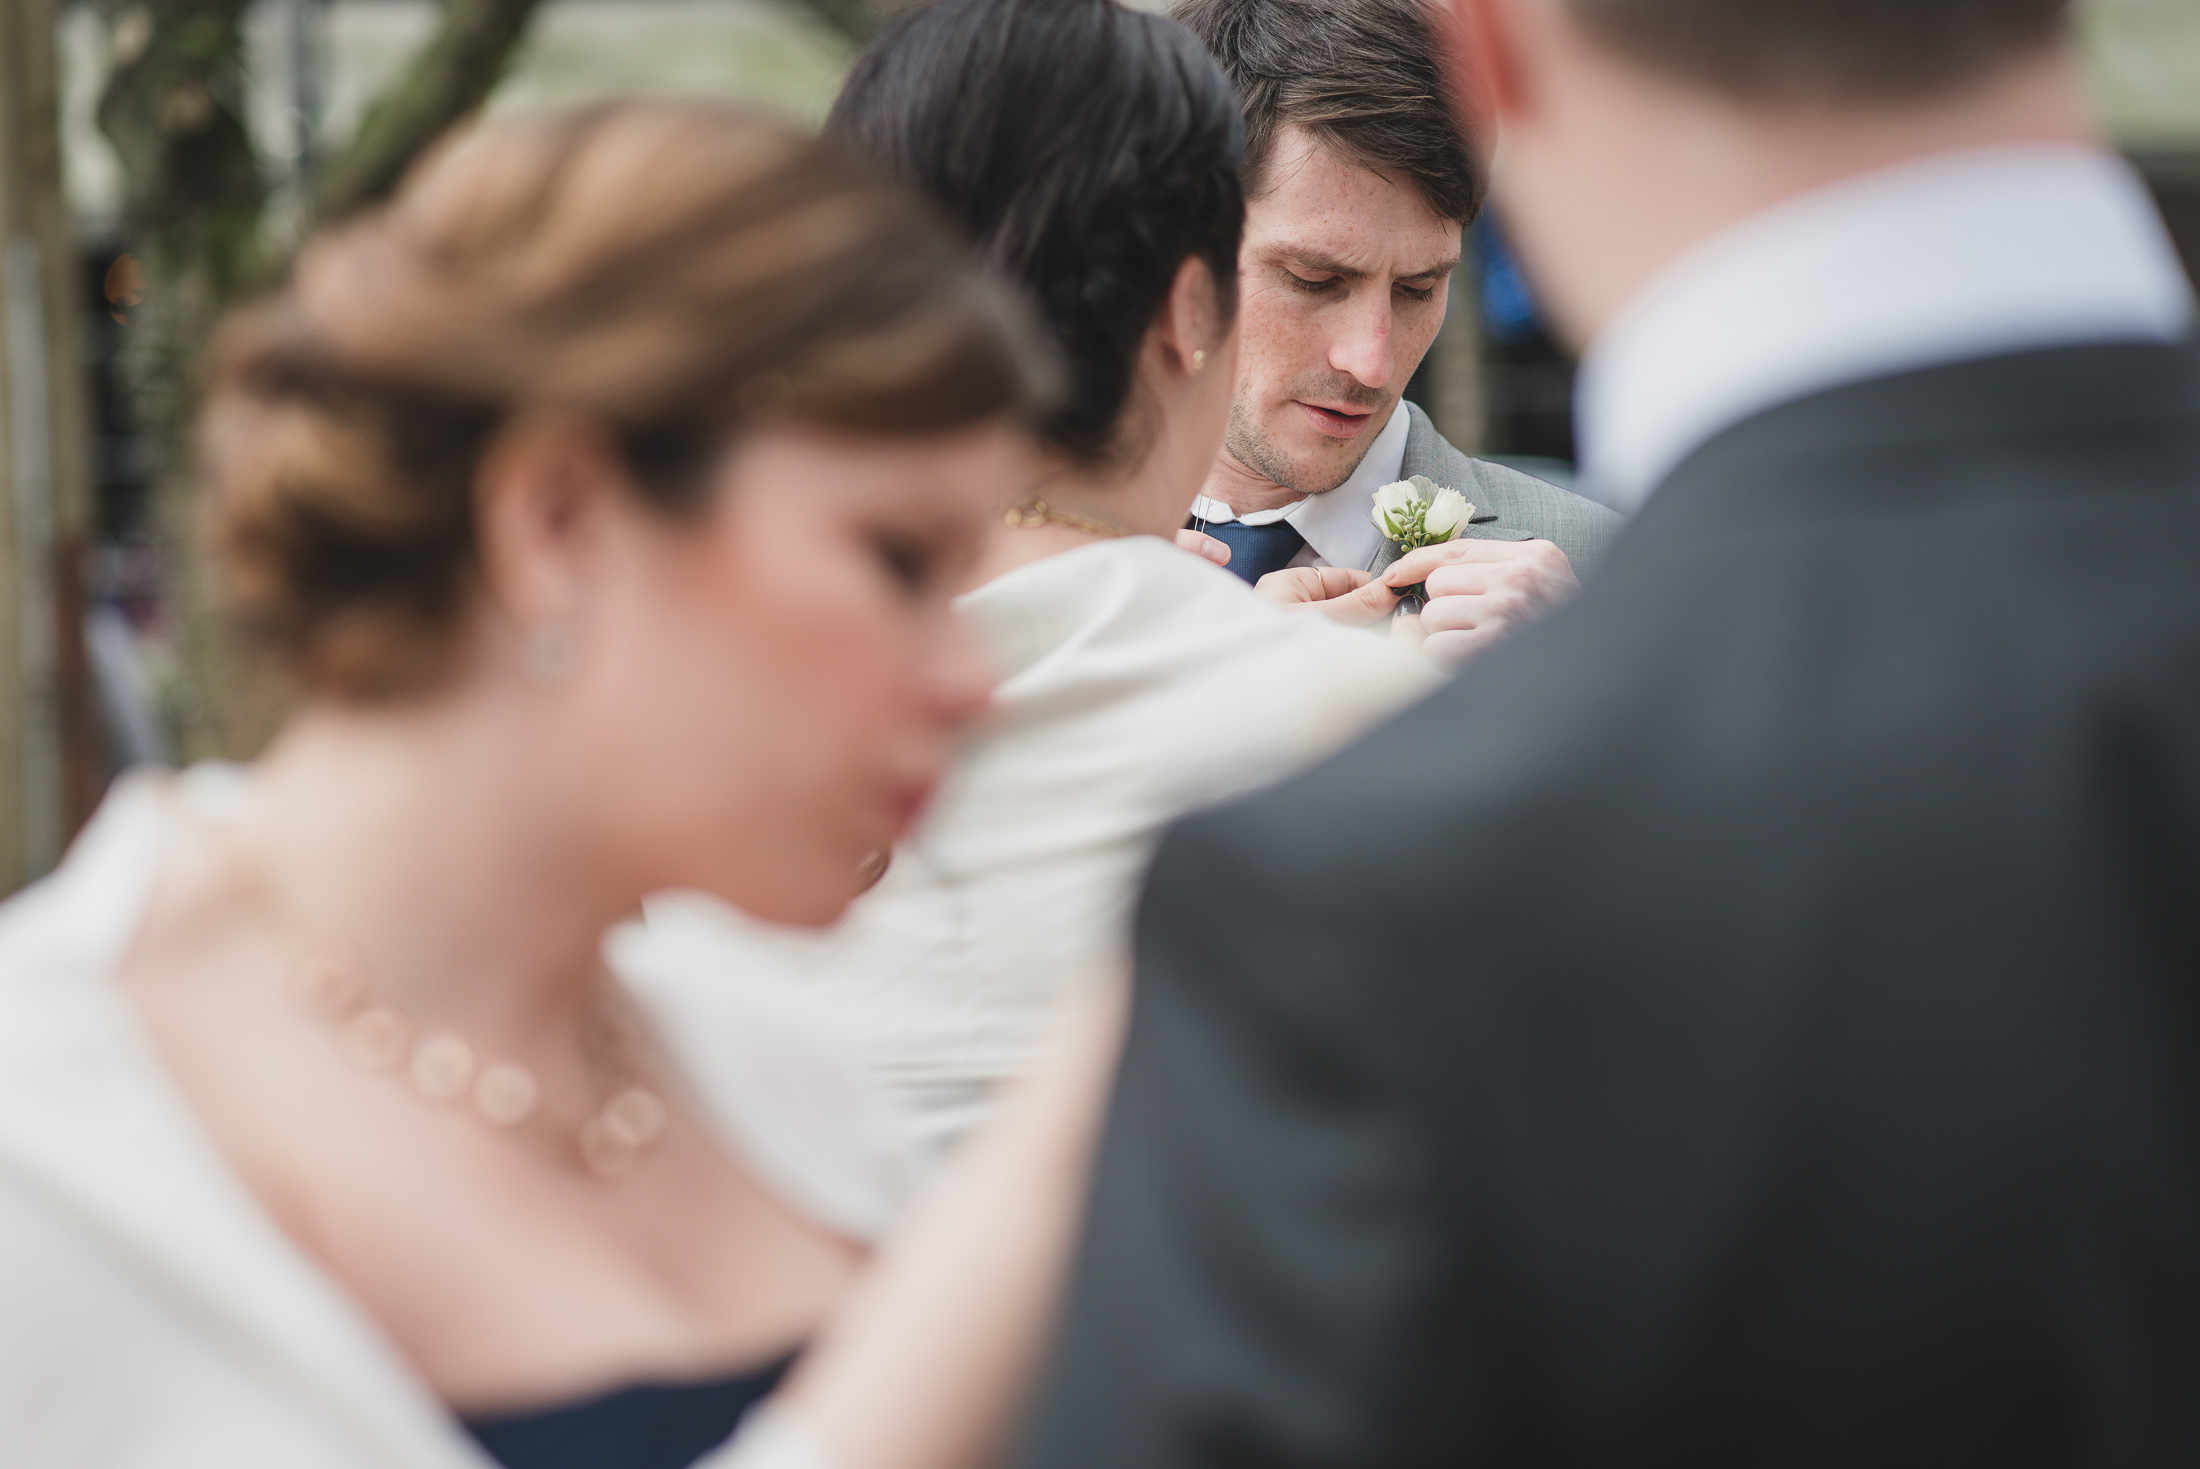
1414,513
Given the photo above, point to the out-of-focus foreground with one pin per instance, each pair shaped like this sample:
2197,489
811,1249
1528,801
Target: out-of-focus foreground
158,162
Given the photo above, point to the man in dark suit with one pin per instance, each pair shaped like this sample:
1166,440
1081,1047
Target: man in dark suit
1821,1085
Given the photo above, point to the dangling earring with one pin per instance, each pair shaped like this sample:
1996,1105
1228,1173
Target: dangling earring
550,653
1199,359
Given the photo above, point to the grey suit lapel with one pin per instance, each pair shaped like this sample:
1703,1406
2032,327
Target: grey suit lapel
1447,468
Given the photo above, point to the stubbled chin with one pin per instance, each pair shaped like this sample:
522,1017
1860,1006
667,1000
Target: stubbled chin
1321,467
1305,463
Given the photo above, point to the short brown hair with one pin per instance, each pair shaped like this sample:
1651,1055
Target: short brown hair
669,270
1825,50
1365,77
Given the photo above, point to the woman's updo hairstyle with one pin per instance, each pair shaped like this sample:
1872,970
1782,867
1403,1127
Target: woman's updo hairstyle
1087,150
671,271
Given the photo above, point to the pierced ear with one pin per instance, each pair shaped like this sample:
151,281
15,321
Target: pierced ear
1190,324
540,492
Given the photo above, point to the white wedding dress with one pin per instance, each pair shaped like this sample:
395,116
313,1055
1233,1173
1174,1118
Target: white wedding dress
1137,682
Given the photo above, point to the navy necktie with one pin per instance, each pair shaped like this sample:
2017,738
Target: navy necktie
1256,550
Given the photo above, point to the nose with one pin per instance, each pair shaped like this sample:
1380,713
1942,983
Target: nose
959,677
1361,346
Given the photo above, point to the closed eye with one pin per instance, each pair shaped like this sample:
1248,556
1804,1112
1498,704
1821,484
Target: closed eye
907,561
1311,285
1416,293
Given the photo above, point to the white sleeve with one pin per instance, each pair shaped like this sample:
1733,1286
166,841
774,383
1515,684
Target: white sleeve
787,1096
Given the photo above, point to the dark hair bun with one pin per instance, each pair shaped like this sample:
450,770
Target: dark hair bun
1087,150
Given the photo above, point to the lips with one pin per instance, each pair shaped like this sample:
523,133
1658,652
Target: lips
1334,422
908,805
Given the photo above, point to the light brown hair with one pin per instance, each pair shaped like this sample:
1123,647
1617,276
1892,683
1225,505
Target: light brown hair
1825,50
673,271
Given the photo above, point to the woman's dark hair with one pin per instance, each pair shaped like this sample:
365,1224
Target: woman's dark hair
1086,150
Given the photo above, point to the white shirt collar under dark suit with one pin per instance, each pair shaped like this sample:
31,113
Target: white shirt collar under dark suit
1951,257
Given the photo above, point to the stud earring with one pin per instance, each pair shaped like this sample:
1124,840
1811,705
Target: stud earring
1199,359
550,653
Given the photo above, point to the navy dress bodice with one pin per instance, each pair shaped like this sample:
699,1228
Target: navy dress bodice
650,1426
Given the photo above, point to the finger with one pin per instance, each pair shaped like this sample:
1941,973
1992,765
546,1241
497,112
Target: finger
1340,593
1502,604
1204,545
1461,614
1311,583
1474,580
1292,586
1367,601
1407,631
1416,565
1529,584
1455,649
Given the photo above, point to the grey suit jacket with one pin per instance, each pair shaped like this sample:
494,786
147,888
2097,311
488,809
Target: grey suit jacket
1508,505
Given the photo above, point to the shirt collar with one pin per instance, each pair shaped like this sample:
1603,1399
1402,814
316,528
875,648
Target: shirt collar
1335,522
1958,256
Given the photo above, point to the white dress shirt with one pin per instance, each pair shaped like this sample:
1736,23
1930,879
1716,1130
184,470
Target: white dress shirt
1957,256
1335,522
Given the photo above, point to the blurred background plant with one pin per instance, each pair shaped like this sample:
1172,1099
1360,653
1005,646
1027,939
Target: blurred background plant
206,137
160,160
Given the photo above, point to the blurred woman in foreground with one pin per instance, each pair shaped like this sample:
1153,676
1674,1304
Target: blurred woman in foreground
605,493
1091,153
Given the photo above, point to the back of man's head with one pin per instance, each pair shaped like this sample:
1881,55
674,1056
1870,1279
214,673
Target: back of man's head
1827,51
1363,76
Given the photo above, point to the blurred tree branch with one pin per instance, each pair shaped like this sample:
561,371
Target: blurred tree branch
856,20
195,209
451,77
194,190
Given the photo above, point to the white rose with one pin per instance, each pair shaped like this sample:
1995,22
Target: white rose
1448,515
1392,513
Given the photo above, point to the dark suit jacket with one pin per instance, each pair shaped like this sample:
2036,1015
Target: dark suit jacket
1786,1053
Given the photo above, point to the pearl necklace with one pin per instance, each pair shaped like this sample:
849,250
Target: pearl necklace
378,1037
337,989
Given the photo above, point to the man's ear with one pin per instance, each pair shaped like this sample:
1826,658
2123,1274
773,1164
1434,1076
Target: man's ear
1481,43
1190,326
542,494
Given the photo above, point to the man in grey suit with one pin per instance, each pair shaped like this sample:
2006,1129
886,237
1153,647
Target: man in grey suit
1358,184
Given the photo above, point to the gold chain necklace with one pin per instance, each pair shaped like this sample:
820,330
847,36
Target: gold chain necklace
337,988
1035,512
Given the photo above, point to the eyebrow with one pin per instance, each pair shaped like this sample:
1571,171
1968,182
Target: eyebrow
1311,260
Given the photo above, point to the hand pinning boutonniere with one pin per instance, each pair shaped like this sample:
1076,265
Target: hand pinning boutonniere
1414,513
